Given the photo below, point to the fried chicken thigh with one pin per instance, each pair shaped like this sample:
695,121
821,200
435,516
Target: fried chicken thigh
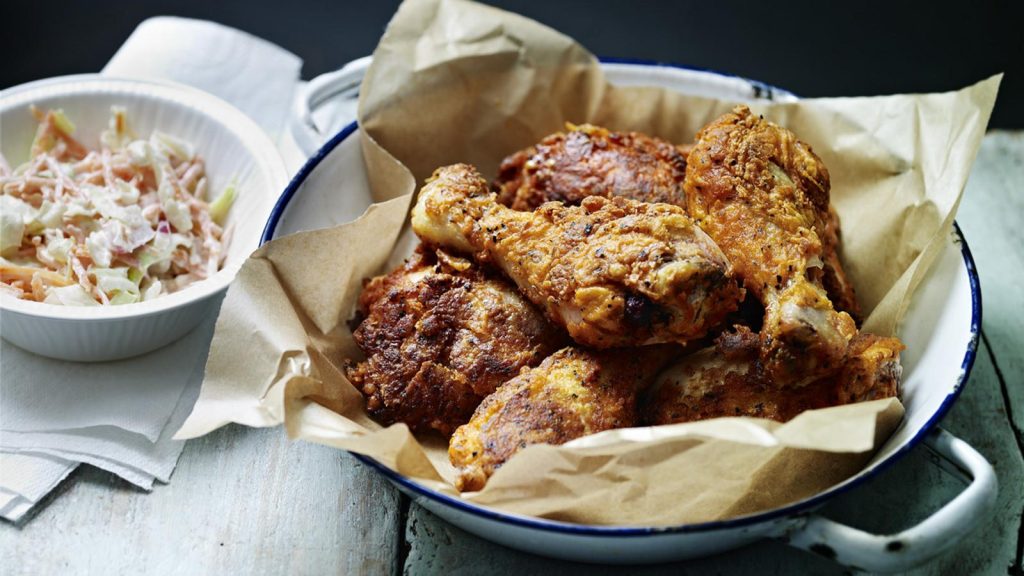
440,334
573,393
592,161
613,272
763,196
727,380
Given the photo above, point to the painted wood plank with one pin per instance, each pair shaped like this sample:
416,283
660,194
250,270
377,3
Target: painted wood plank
241,501
912,490
906,493
992,218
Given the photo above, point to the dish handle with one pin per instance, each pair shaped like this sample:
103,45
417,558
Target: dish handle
918,544
319,90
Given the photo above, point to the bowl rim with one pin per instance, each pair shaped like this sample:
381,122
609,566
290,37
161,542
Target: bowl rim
800,507
213,109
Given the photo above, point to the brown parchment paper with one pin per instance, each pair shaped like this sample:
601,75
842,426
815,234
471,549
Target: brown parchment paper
453,81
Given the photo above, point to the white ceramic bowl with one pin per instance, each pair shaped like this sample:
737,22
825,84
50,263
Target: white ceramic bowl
941,331
232,145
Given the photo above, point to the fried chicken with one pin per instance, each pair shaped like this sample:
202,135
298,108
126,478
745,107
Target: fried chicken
613,272
573,393
592,161
440,334
727,380
763,196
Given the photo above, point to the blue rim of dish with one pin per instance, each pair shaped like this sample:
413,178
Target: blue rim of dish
761,89
299,178
797,508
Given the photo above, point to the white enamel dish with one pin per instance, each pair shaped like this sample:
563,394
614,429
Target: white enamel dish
234,148
941,330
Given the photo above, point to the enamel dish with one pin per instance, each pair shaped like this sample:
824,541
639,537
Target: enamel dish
942,327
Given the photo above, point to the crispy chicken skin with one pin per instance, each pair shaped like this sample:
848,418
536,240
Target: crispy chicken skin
763,196
588,160
727,380
439,334
592,161
613,272
573,393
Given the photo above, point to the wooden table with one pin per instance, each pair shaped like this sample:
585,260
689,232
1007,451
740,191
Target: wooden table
246,501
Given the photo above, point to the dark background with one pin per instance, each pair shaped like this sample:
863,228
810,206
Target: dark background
811,48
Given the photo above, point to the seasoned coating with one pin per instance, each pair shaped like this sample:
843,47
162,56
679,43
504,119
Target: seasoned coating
573,393
613,272
439,334
763,196
589,160
592,161
727,380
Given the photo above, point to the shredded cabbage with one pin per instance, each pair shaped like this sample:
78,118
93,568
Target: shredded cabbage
219,207
73,295
14,215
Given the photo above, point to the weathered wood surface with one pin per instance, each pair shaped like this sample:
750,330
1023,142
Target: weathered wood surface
992,217
241,501
250,501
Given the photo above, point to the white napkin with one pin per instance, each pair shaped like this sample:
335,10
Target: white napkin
120,416
93,395
26,478
258,77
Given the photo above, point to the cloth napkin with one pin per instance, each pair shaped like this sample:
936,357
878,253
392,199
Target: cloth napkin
120,416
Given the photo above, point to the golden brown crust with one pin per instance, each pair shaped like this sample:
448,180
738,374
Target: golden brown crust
763,196
727,380
573,393
440,334
755,185
614,272
617,264
872,370
592,161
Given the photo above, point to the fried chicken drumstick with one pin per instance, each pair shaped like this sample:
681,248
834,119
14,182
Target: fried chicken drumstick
763,196
440,334
727,380
573,393
592,161
613,272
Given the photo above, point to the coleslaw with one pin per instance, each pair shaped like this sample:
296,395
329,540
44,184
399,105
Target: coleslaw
126,223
